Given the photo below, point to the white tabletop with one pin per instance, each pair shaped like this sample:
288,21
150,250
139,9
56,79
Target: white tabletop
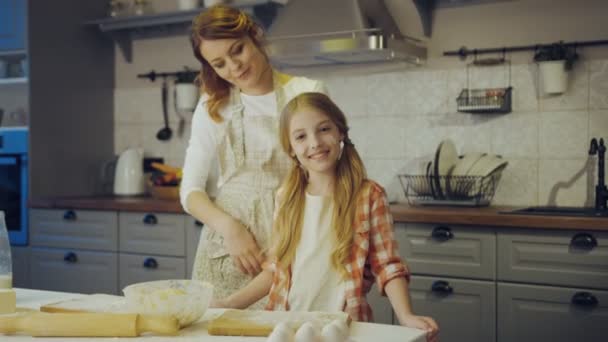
359,332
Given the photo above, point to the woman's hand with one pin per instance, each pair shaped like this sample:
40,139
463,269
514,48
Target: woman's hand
243,249
424,323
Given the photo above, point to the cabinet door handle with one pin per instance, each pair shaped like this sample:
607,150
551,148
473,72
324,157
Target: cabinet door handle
69,215
442,287
150,219
150,263
70,257
585,299
583,241
442,233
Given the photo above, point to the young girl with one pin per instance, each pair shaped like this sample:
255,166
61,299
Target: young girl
333,233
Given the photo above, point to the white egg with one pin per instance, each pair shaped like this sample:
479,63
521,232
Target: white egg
308,332
332,333
342,326
281,333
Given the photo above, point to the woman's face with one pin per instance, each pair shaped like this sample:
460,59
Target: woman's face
315,140
238,61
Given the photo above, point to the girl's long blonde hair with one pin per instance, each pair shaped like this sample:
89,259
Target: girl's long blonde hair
220,22
350,177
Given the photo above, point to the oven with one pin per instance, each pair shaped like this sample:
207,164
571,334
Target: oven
14,182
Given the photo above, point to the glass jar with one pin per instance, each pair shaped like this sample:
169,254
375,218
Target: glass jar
6,264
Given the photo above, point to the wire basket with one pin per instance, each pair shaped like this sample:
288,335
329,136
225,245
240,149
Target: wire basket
467,191
489,100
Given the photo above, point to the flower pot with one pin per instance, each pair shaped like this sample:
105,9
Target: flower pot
186,96
553,76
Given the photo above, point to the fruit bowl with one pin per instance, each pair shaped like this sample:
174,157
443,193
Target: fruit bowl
186,300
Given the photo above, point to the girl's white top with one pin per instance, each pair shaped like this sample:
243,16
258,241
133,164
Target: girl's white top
316,285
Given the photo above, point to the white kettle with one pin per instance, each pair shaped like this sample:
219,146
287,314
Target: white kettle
129,175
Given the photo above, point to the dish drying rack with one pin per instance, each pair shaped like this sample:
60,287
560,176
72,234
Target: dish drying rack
465,191
486,100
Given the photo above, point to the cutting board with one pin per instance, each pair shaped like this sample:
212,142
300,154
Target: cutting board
101,303
260,323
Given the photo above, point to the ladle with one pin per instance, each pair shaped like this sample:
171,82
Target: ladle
165,132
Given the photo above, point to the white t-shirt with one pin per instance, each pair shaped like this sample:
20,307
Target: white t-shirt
315,284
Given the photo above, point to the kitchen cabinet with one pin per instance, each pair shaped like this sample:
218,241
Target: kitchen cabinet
71,98
91,251
453,271
514,284
21,266
12,24
552,285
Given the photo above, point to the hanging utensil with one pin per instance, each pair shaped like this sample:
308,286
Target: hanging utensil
165,132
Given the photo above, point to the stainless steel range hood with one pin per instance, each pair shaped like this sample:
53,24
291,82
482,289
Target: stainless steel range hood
325,32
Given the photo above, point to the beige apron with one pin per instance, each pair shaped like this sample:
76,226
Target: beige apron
252,165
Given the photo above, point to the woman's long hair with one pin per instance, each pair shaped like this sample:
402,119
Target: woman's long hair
350,177
220,22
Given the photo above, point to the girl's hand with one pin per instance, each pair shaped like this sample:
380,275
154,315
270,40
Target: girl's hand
424,323
243,249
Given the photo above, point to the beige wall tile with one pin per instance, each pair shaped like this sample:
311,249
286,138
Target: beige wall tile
126,136
384,171
515,135
350,94
385,94
379,137
564,135
519,183
598,125
598,84
566,182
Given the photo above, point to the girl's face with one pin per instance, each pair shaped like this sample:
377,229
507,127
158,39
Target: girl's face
315,140
238,61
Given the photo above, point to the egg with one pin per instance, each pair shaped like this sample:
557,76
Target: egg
281,333
332,333
342,326
307,332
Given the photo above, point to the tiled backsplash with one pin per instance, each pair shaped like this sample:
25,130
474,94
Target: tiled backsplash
398,118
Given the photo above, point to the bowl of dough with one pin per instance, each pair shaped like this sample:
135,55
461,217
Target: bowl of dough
186,300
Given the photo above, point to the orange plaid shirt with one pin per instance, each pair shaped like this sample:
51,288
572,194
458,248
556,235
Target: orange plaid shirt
374,256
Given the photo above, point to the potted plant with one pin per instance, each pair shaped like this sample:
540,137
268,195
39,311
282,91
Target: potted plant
554,62
186,92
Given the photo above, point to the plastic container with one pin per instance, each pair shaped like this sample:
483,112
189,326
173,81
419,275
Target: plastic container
6,265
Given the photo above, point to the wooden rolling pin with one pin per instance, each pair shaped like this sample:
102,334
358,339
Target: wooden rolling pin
87,324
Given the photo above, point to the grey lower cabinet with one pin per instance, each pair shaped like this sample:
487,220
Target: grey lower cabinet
90,251
508,284
549,313
453,277
552,285
464,309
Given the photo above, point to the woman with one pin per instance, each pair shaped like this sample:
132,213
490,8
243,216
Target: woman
235,137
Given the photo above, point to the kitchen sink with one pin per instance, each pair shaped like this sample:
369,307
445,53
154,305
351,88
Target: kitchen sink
559,211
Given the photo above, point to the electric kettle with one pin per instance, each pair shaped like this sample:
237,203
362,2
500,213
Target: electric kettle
129,174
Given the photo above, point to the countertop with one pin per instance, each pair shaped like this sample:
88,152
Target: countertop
359,332
485,216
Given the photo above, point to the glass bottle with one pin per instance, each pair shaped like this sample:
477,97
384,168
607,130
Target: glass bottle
6,265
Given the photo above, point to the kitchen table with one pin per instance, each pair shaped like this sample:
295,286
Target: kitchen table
359,332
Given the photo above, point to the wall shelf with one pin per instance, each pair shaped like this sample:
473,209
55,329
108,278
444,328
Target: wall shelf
13,80
124,29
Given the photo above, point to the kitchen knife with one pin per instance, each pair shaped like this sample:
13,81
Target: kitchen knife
87,324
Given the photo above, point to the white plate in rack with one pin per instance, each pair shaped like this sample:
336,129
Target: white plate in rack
445,159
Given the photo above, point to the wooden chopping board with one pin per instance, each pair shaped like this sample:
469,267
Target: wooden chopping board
101,303
260,323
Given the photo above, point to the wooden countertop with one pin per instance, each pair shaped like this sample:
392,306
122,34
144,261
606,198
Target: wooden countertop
486,216
143,204
491,216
